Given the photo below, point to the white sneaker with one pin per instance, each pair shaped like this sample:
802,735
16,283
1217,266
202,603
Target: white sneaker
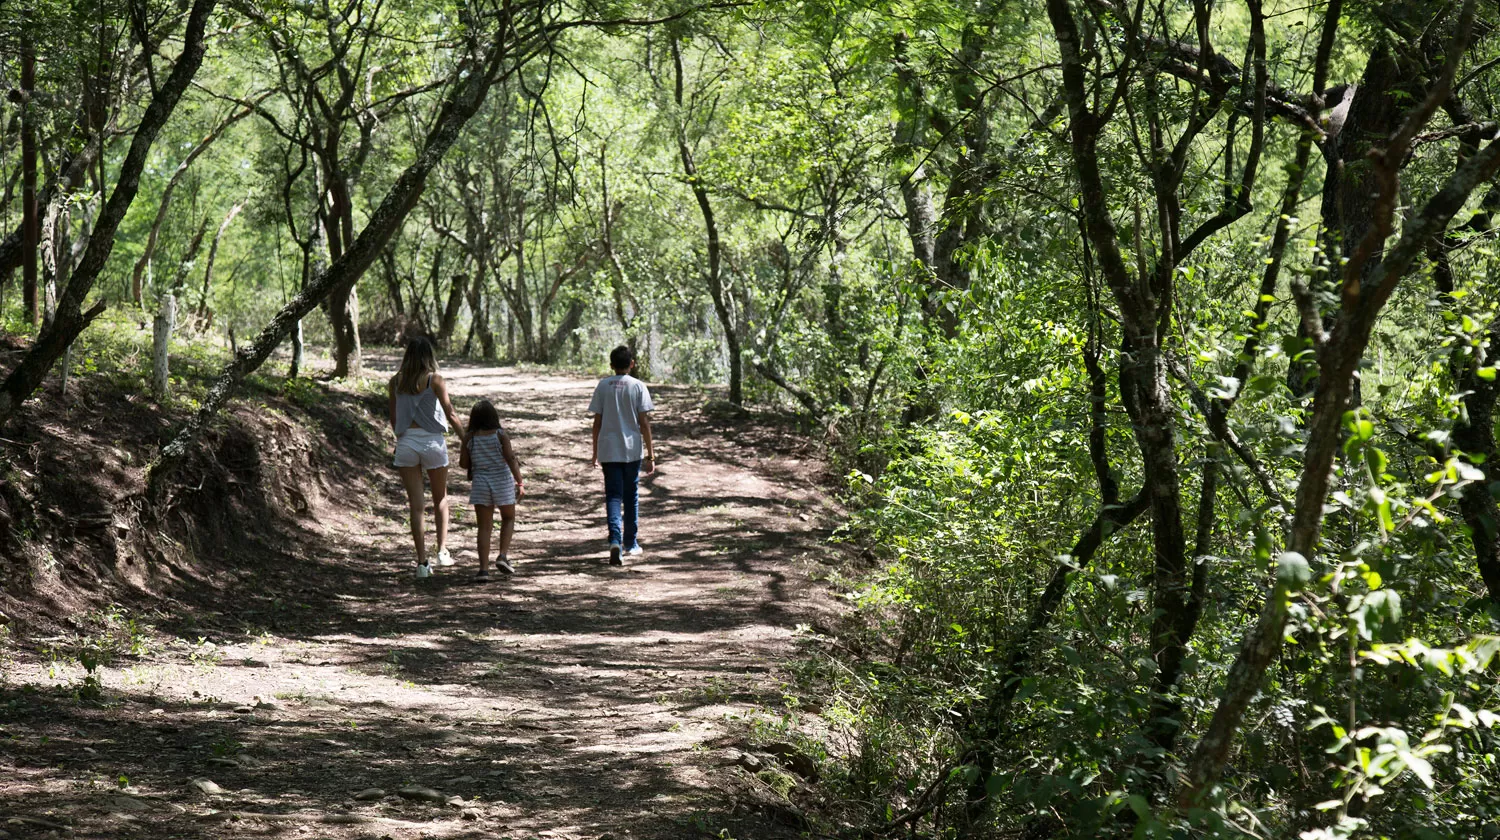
635,552
444,558
503,566
424,571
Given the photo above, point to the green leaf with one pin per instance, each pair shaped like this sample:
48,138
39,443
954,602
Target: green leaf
1292,571
1359,427
1384,605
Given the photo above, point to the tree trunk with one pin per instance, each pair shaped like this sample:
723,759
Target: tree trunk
571,317
30,230
208,268
479,314
833,305
715,275
71,318
619,280
343,301
449,321
921,217
354,362
963,216
392,280
343,316
1474,434
312,265
53,262
189,257
520,301
74,173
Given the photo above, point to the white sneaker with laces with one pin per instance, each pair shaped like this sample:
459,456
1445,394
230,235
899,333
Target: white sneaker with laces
444,558
424,571
636,552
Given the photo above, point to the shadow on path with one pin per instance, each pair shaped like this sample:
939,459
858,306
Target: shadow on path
572,700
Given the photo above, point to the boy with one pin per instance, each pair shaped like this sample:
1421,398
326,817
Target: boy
622,441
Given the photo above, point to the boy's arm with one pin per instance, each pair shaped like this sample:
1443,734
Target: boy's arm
598,424
644,418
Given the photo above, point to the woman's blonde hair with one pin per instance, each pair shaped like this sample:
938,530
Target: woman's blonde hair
419,362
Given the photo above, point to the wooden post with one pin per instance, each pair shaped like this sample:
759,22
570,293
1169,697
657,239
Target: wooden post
161,334
297,351
357,359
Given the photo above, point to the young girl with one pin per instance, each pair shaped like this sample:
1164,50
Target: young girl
420,416
496,475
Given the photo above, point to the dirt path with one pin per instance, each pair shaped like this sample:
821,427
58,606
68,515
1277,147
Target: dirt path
575,700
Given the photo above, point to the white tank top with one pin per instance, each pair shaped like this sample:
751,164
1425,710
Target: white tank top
422,409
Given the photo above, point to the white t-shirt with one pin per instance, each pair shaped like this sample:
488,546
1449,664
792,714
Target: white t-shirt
620,399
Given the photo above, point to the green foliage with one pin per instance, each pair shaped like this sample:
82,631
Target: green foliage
978,397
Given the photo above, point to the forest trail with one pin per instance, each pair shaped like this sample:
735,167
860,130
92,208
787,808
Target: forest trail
574,700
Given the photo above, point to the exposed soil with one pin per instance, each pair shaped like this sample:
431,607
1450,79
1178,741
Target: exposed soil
298,664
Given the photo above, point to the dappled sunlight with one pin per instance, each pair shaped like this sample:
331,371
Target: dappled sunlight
551,702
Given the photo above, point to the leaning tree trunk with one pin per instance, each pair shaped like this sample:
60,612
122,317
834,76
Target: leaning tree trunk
72,319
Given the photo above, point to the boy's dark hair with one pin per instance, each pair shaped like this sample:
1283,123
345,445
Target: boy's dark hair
621,357
483,417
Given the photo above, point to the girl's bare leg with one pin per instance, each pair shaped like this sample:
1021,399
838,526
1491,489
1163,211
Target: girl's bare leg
411,479
440,503
486,514
507,526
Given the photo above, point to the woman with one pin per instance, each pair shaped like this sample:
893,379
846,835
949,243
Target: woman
421,416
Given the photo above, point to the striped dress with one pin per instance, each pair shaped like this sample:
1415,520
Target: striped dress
493,483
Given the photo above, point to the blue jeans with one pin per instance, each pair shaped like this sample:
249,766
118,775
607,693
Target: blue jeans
621,501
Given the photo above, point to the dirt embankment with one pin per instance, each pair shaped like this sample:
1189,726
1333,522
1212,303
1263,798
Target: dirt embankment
75,534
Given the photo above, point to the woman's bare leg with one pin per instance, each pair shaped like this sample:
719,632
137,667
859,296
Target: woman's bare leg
411,479
486,514
440,503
